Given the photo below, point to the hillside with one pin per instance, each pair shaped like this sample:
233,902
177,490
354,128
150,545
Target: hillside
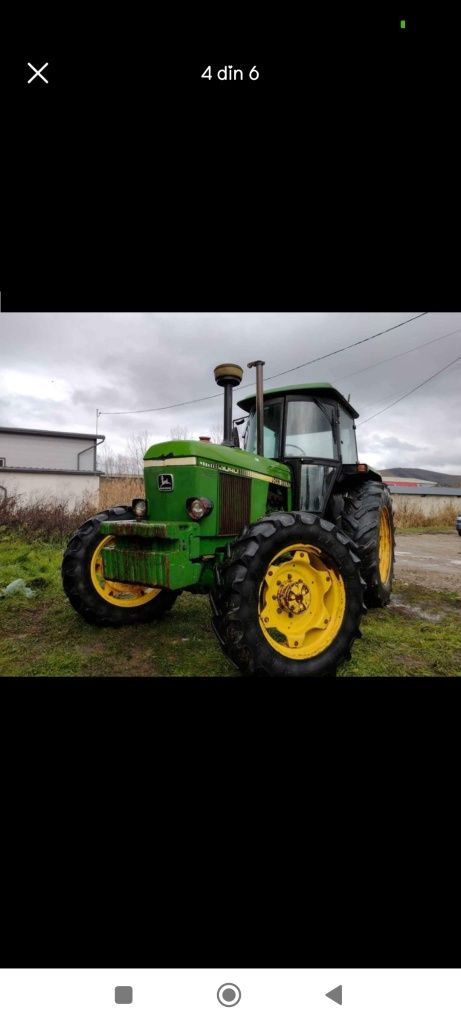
442,479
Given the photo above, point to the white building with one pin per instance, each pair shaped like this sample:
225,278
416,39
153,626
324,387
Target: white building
48,463
428,501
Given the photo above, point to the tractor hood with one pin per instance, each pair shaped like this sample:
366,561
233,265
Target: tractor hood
215,456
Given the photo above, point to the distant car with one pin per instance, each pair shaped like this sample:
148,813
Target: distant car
458,524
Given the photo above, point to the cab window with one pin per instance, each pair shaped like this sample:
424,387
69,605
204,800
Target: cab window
272,430
348,438
309,430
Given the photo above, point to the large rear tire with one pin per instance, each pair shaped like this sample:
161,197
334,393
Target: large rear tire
368,519
288,600
104,602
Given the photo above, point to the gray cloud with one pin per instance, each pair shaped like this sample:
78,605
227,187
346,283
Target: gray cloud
56,369
104,397
397,444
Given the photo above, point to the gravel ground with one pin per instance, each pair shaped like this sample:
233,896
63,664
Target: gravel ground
430,560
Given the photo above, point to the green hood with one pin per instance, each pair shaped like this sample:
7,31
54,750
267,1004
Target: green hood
219,454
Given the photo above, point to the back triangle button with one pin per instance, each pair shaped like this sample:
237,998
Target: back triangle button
336,995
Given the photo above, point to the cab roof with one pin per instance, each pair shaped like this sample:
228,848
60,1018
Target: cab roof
320,390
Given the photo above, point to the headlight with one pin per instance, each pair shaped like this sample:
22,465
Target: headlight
139,508
197,508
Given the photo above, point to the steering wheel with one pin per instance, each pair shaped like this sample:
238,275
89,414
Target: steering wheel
289,445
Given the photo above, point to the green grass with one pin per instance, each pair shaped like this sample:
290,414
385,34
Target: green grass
418,634
43,636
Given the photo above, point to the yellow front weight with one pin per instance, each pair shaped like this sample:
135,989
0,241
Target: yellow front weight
126,595
302,601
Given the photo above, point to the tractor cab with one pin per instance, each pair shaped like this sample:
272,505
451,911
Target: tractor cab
310,428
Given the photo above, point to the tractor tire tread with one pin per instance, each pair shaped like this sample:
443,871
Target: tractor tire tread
236,626
77,582
360,520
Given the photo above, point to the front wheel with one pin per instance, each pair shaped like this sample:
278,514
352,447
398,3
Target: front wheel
107,602
288,601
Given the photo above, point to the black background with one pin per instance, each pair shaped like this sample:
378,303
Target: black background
129,182
210,821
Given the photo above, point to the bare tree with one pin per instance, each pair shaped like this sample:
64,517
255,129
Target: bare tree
136,447
127,463
110,462
216,433
180,433
105,458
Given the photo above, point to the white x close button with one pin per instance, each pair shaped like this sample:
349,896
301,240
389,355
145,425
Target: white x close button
38,74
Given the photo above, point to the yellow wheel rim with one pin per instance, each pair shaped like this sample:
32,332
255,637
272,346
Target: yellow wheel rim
126,595
302,601
385,545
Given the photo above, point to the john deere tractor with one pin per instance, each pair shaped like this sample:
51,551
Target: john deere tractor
291,536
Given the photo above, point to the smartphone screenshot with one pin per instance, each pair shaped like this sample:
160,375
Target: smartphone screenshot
230,513
260,995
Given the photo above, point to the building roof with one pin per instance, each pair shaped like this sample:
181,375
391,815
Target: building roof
51,472
447,492
401,481
51,433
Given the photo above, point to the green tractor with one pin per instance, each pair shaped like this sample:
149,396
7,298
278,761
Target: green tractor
291,536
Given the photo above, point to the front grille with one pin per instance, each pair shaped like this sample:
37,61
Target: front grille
234,503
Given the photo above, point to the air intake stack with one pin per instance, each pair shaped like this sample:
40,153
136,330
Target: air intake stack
228,376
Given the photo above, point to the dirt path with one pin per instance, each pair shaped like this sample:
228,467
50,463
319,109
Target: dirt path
430,560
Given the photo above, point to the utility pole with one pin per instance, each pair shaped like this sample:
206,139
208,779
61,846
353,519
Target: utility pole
98,413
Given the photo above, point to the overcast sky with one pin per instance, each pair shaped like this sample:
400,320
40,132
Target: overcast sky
57,369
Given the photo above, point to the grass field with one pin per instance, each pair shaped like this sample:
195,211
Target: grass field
419,634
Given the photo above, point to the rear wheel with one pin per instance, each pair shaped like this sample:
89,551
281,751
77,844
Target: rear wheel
288,600
368,519
107,602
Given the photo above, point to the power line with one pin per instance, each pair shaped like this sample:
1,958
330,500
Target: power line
418,386
317,359
176,405
345,347
399,355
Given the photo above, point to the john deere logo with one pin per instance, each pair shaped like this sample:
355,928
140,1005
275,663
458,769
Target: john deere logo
165,481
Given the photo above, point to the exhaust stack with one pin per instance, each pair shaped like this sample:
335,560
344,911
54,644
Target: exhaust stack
228,376
259,363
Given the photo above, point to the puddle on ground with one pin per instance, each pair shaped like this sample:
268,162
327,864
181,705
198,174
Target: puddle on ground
415,610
